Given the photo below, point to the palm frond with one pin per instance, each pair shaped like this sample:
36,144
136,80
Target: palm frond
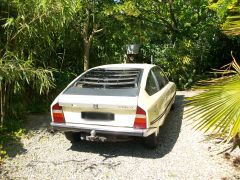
217,109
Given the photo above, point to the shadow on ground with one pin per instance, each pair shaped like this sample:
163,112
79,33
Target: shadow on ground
38,122
168,138
10,142
10,145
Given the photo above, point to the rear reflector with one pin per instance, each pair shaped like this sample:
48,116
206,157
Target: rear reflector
140,120
57,114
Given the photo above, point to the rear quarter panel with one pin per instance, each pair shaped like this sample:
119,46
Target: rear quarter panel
157,105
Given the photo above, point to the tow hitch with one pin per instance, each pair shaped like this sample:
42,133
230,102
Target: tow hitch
93,137
103,138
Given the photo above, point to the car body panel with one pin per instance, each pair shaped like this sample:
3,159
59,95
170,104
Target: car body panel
124,109
158,104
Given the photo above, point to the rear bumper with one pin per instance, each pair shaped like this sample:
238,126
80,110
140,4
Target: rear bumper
125,131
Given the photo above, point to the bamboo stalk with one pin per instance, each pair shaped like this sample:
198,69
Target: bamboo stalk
4,103
1,106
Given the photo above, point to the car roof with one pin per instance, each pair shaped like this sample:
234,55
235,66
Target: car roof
128,65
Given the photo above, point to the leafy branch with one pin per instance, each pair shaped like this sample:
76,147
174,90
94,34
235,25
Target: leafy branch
217,109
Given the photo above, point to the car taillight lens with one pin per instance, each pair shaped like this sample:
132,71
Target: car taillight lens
140,120
57,114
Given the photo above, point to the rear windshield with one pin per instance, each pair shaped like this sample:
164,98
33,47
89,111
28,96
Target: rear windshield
109,78
107,82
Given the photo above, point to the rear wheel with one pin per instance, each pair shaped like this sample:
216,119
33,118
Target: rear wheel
173,106
72,136
152,141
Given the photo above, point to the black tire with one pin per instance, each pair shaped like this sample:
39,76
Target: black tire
173,106
152,141
72,136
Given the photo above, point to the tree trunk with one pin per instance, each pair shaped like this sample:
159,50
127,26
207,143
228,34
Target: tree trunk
175,30
86,54
88,38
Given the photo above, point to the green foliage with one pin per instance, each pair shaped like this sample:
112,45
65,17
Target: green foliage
38,36
229,12
186,57
19,72
217,109
182,37
222,6
232,24
52,33
15,74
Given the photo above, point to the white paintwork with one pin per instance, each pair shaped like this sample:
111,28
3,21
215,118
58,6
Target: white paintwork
124,108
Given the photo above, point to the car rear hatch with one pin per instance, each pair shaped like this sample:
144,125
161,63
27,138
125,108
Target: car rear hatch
106,97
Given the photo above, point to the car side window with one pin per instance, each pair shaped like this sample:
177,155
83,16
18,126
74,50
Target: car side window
160,76
151,86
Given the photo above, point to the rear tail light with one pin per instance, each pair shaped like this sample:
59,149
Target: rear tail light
57,114
140,120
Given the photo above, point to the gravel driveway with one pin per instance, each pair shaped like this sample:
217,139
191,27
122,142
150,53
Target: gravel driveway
182,155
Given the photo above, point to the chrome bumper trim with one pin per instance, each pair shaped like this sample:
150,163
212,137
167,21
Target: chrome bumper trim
104,129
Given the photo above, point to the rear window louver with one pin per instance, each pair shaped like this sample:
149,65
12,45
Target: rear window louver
105,78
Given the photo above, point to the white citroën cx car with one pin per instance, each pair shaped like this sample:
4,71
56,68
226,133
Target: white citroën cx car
118,100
